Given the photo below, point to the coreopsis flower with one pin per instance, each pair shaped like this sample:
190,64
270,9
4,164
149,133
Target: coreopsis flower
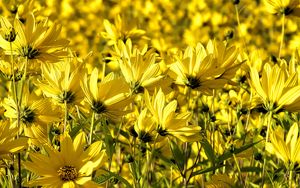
286,148
206,69
276,88
144,127
8,143
108,97
139,67
168,122
120,30
24,9
61,81
71,166
224,58
7,71
7,31
35,114
285,7
35,41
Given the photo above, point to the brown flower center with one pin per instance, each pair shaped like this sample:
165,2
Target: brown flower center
27,115
29,52
98,107
10,36
67,173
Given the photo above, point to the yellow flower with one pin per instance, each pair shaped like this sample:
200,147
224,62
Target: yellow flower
285,7
8,143
7,31
288,149
71,166
120,30
168,122
35,41
6,69
276,88
144,127
206,69
139,67
35,114
61,81
108,97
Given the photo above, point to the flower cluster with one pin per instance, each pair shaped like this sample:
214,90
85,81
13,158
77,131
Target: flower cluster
149,93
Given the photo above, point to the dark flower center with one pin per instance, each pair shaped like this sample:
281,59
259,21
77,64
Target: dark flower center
162,132
27,115
11,35
29,52
287,10
137,88
193,82
133,132
67,173
66,96
145,137
98,107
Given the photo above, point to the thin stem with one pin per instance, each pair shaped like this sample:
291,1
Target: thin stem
185,179
14,93
19,170
185,144
103,70
213,125
92,128
291,178
149,159
282,35
171,177
19,104
267,138
66,115
23,81
238,167
14,89
249,112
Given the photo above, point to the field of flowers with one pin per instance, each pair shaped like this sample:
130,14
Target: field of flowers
149,93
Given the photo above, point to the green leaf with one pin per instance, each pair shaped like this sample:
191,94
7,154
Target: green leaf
229,154
251,169
209,151
177,155
75,129
109,141
203,171
101,179
136,170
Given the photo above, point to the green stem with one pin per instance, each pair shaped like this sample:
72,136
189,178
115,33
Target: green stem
149,160
185,179
238,167
103,70
267,138
14,93
66,115
291,178
23,82
171,177
14,89
282,35
92,128
19,104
